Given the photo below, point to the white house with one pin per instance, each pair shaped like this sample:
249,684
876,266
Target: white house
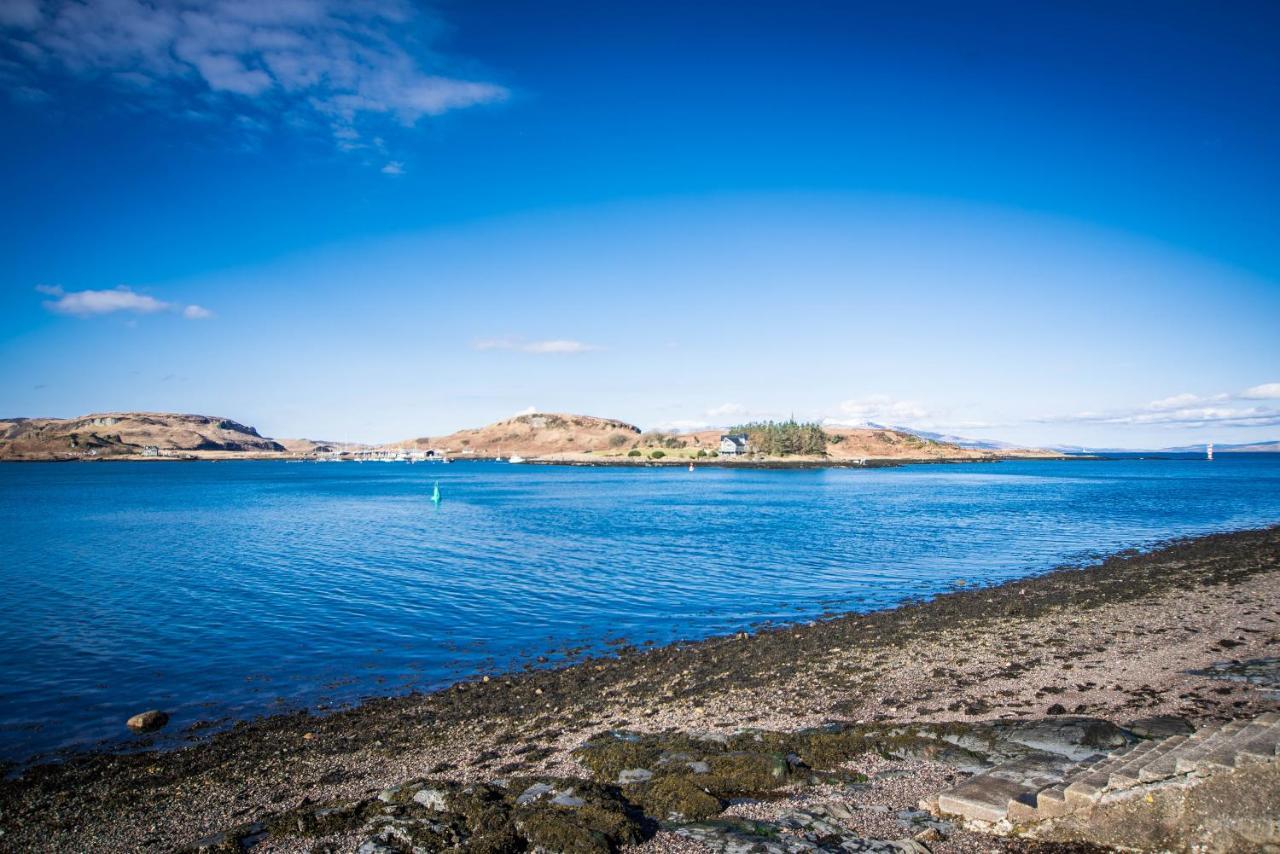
734,444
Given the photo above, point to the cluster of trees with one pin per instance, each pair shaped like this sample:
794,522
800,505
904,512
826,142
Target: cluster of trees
782,438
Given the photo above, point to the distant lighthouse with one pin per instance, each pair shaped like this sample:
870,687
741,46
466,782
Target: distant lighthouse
1208,451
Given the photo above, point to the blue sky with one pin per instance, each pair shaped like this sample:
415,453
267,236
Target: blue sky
378,220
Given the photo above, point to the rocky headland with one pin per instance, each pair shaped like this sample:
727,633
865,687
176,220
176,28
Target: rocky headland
108,435
840,735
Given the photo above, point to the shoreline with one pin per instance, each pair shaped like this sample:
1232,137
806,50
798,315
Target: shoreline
603,462
781,678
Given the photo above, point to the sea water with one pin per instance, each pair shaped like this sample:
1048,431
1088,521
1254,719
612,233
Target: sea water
220,591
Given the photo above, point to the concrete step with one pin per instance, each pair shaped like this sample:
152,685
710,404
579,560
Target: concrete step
1166,765
1264,747
1022,810
1087,786
1192,759
1052,802
983,798
1128,775
1239,742
1223,757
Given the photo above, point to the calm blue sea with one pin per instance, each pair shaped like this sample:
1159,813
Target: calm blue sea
221,591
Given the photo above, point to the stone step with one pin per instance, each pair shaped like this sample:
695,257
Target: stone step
983,798
1088,786
1264,747
1016,790
1166,765
1191,760
1128,775
1052,802
1022,810
1240,741
1223,757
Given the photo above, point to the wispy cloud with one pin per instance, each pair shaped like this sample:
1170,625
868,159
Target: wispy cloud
881,408
726,410
553,346
1190,410
682,425
395,167
89,303
337,65
1266,391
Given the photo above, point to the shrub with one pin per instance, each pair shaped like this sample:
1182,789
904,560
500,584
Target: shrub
617,440
657,455
633,453
701,453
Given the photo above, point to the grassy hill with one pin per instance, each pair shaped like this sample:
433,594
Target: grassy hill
122,434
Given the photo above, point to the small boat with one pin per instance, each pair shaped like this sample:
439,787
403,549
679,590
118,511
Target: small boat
516,458
690,466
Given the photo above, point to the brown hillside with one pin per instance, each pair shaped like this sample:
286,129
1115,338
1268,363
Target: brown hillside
582,437
538,434
852,443
116,434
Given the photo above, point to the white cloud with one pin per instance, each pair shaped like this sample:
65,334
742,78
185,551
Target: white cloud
726,410
1190,410
1254,416
1266,391
558,346
528,410
336,65
89,303
554,346
395,167
883,409
682,425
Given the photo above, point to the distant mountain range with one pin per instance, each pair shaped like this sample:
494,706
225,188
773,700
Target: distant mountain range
995,445
960,441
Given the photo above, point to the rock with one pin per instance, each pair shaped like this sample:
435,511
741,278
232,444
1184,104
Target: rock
678,799
1057,709
1160,726
634,775
232,841
531,794
738,836
567,799
432,799
148,721
572,816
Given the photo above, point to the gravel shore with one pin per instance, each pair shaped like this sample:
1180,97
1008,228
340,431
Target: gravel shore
1115,641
